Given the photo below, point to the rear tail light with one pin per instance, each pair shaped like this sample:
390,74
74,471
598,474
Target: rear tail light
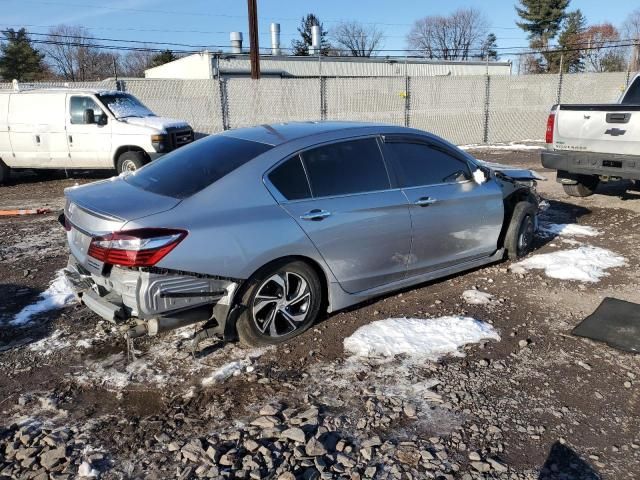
135,248
551,123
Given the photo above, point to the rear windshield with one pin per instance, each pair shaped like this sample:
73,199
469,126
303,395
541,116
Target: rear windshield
633,94
189,169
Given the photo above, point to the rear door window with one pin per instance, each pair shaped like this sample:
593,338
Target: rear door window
291,180
354,166
419,164
191,168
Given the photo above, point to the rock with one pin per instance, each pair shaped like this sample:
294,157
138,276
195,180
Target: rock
410,456
523,343
314,448
295,434
474,456
496,465
372,442
287,476
266,421
481,467
269,410
251,445
370,472
51,458
410,410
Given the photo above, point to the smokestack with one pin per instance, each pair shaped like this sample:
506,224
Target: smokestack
275,39
315,40
236,42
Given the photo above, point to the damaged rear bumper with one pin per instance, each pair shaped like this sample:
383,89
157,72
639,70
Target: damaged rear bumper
153,300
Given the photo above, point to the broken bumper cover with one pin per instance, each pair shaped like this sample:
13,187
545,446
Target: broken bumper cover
151,296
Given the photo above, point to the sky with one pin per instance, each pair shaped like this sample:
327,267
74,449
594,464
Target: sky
208,22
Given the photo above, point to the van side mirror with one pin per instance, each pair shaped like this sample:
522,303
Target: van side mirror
88,117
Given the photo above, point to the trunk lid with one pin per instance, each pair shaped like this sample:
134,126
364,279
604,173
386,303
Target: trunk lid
104,207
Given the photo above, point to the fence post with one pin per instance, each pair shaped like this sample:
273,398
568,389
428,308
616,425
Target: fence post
487,92
560,77
323,98
224,103
407,94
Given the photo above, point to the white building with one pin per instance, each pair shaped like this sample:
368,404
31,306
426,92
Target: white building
207,65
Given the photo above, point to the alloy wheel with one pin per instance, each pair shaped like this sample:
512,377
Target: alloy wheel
525,235
281,304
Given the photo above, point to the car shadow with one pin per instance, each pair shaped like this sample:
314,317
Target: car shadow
558,213
563,463
38,327
623,189
25,177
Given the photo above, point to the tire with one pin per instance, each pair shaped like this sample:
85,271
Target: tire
521,232
5,173
268,319
130,161
584,188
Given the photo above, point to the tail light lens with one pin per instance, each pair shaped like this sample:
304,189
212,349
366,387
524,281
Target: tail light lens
551,123
135,248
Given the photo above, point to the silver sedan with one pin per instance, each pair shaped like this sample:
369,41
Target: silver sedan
256,232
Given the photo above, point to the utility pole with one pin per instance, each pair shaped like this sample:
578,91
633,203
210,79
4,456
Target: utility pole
254,48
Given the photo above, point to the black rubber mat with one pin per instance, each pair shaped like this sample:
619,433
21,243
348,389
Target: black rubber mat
615,322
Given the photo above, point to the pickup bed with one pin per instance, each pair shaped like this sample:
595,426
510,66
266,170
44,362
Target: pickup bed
588,144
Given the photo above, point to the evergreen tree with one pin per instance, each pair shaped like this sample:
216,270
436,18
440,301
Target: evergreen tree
18,59
570,40
489,47
301,47
542,20
162,58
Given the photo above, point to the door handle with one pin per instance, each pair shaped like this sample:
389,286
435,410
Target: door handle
425,201
315,215
70,138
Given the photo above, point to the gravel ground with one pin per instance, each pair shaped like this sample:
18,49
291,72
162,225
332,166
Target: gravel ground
538,404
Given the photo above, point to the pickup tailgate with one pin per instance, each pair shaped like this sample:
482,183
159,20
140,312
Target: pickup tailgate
605,128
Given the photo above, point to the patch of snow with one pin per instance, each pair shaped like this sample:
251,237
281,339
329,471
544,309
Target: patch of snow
567,230
585,264
427,339
84,343
48,345
476,297
87,471
233,368
501,146
479,177
59,294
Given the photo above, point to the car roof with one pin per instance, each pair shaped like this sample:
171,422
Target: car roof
279,133
53,90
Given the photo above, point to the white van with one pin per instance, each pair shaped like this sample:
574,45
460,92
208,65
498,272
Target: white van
82,129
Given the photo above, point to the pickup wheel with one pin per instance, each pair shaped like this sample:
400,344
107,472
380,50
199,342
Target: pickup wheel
584,187
521,232
5,173
130,161
282,300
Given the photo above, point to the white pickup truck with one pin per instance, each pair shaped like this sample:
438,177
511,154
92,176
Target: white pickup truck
82,129
587,144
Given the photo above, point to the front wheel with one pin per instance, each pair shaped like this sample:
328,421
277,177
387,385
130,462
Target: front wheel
130,161
585,186
282,301
521,232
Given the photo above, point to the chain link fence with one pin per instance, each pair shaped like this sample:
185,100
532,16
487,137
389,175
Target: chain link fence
466,110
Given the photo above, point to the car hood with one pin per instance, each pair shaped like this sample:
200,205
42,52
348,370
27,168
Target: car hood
116,199
159,123
510,171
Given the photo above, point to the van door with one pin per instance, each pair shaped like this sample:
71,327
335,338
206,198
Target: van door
23,126
89,143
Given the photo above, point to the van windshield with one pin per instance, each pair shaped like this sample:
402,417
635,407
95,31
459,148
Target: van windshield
123,105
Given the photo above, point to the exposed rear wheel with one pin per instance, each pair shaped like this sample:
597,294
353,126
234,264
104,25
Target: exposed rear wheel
5,173
283,300
521,232
585,187
130,161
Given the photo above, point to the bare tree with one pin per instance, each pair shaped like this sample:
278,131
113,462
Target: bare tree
454,37
631,30
358,39
73,55
602,53
135,62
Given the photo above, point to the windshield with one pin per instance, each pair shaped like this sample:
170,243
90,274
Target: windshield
123,105
189,169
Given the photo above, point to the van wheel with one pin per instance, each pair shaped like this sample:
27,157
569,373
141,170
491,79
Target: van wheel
584,187
282,301
5,173
521,232
130,161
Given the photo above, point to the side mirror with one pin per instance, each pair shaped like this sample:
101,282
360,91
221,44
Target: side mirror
88,117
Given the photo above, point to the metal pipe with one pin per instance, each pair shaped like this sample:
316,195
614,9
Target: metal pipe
315,40
236,42
275,39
